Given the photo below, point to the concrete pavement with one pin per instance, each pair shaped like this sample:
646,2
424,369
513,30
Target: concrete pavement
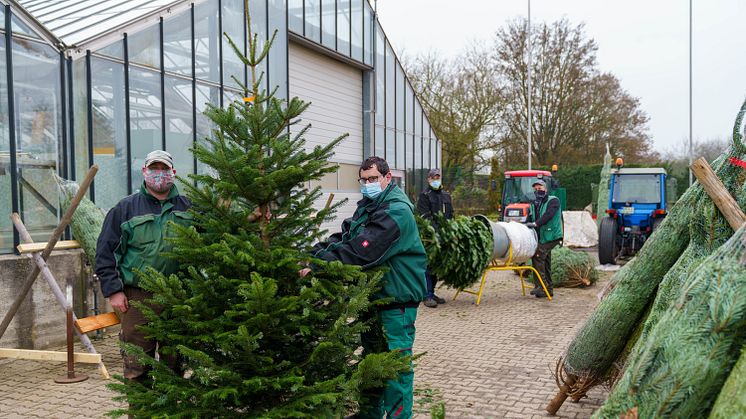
488,361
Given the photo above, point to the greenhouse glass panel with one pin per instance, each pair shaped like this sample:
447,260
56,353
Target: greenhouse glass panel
343,27
380,149
357,29
258,11
109,131
313,20
115,50
278,55
80,111
380,70
6,228
207,41
38,118
233,25
368,23
329,23
17,26
390,102
179,125
144,47
145,118
205,95
177,44
295,16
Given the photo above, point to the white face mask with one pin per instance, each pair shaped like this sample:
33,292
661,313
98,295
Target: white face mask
435,184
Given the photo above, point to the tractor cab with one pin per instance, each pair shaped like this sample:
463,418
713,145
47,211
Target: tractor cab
637,205
518,192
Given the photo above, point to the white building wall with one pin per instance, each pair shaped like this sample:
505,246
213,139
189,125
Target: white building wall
335,91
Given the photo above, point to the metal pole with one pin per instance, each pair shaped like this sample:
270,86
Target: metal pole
691,147
528,37
70,377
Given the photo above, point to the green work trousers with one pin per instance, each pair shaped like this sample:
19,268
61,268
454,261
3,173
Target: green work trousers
393,330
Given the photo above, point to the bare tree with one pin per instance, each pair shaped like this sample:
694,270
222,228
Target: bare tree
576,109
461,100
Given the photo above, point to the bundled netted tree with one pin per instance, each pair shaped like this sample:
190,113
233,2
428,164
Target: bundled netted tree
571,268
459,251
692,230
731,403
253,338
87,220
602,203
681,365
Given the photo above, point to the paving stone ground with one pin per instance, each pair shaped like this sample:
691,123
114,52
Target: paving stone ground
487,361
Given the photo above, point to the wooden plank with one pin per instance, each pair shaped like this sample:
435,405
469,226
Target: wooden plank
83,358
91,323
719,194
38,247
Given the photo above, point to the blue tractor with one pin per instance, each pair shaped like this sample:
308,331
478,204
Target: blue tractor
637,205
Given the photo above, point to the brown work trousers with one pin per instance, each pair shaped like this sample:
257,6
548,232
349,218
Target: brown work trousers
130,333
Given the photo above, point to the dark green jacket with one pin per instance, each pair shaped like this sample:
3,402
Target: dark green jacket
549,221
133,237
383,232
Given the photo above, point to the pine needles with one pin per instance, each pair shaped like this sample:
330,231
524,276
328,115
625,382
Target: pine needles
571,268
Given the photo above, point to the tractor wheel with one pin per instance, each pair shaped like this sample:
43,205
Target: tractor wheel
608,248
656,223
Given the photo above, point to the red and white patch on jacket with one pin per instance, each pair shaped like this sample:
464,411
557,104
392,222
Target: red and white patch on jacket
365,243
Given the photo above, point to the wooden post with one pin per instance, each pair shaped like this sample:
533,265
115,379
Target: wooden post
41,264
718,193
31,278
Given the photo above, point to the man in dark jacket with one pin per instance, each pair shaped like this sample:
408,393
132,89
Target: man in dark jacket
546,218
433,201
383,232
132,238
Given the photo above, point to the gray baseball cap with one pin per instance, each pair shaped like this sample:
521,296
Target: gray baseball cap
539,182
433,173
159,156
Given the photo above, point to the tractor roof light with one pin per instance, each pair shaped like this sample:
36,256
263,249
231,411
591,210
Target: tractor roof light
619,162
554,168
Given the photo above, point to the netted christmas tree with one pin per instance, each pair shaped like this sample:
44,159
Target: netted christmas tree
252,338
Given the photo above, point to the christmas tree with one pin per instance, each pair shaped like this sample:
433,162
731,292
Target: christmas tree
250,336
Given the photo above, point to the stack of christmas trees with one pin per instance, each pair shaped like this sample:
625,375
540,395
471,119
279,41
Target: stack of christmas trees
678,308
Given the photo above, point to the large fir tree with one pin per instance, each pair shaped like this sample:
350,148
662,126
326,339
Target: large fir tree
253,338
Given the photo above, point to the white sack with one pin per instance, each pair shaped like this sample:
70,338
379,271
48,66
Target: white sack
580,229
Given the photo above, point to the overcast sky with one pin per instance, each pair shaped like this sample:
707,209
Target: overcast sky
644,43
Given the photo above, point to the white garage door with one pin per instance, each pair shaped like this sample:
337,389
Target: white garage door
335,91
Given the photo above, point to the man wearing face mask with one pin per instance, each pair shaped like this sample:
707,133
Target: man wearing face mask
382,232
546,218
133,238
433,201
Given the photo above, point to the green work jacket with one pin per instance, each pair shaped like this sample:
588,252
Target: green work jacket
551,230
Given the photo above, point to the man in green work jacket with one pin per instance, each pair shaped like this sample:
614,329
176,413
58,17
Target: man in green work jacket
546,218
133,238
383,232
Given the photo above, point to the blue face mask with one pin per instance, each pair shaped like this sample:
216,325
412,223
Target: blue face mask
371,190
435,184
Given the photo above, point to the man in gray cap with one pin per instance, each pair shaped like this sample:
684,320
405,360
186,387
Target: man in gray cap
133,237
546,217
432,201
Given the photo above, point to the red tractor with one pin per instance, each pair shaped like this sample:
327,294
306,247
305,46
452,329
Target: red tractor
518,192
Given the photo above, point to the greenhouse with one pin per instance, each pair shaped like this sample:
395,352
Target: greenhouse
104,82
